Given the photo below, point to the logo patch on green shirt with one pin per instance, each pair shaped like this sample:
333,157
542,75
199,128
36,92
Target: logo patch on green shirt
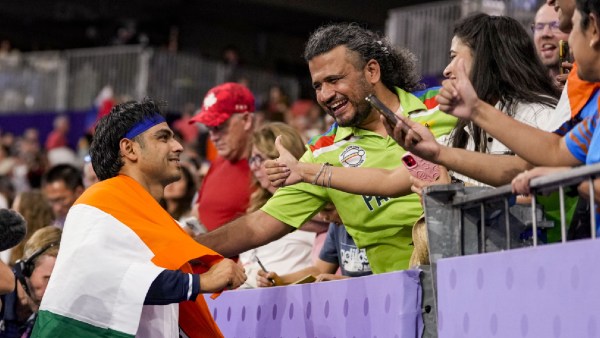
353,156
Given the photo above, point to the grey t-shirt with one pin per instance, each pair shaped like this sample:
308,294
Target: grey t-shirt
339,248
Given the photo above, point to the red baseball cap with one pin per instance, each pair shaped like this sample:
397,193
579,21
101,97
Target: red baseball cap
223,101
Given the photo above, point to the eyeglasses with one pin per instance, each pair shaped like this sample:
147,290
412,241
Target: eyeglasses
540,26
256,160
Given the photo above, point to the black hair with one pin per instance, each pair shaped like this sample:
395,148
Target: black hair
69,174
104,150
506,70
398,66
587,7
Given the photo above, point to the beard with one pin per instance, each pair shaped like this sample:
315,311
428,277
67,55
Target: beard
172,178
362,109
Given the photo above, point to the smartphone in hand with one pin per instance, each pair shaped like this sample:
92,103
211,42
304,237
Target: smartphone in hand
420,168
564,55
391,118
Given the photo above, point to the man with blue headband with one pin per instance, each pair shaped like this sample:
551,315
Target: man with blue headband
124,265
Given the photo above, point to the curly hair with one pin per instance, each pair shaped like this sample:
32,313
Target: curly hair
398,65
104,150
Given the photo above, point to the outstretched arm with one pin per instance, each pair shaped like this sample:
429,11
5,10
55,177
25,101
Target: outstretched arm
287,170
494,170
520,184
245,233
174,286
538,147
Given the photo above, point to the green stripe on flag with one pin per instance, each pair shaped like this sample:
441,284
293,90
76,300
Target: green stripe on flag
49,324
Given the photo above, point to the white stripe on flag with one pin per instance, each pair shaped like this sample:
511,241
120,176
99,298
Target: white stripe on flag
102,273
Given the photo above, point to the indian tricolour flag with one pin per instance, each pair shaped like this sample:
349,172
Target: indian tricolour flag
116,240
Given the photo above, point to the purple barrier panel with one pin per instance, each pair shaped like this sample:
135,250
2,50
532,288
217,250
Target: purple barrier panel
17,123
385,305
548,291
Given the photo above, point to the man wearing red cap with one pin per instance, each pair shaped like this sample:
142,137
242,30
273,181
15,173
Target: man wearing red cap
227,111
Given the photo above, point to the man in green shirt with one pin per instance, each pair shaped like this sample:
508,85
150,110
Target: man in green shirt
346,64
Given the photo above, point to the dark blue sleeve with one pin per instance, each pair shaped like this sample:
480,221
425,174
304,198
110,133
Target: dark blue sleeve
329,252
172,286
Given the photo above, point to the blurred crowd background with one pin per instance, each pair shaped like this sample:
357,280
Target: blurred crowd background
63,64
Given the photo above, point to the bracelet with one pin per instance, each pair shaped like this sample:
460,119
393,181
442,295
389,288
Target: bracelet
329,179
315,180
324,175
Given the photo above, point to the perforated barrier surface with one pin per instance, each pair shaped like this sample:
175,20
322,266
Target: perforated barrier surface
385,305
547,291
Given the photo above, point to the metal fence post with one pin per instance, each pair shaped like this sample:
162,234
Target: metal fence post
143,77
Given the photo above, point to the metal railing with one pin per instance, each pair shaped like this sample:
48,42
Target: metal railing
475,220
72,79
426,30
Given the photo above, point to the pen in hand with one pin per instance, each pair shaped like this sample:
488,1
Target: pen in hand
265,270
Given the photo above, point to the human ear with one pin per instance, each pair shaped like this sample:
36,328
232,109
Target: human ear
248,121
594,27
372,71
127,149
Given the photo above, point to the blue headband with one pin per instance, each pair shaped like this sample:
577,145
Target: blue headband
144,125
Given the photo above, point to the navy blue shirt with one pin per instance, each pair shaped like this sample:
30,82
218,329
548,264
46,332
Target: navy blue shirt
173,286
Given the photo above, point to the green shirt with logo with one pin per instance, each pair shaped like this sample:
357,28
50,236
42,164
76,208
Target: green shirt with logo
381,225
